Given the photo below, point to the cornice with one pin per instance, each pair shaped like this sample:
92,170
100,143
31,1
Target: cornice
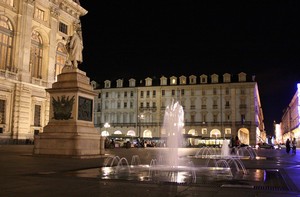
72,8
68,6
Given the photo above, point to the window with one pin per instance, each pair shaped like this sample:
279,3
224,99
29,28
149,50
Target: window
227,105
142,94
125,104
193,104
192,118
106,94
37,115
163,92
125,94
214,91
148,93
228,117
36,55
243,92
63,28
215,118
173,92
39,14
182,92
192,92
204,131
227,91
204,118
154,93
215,104
227,131
2,111
131,93
61,57
6,41
243,118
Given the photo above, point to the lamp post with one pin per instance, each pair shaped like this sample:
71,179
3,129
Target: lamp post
106,126
140,117
103,138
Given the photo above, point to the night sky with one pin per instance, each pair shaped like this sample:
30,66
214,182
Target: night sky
139,39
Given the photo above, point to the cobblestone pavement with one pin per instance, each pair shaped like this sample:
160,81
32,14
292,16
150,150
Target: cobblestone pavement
23,174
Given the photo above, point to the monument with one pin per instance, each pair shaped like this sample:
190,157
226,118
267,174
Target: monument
70,131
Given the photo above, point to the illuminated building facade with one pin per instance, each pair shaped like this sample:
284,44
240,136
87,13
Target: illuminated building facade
33,36
290,118
215,108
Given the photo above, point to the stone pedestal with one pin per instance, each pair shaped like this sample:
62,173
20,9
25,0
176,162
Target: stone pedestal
70,131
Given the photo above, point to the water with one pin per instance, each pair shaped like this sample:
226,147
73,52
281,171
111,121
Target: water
225,151
173,125
169,166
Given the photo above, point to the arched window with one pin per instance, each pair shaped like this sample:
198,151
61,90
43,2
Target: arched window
6,41
61,57
215,133
36,55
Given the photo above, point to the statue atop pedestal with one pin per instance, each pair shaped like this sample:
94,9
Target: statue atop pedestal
74,47
70,130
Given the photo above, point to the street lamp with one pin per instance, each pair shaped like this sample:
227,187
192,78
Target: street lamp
140,117
106,126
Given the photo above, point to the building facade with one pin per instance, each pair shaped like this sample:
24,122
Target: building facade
33,36
290,121
215,108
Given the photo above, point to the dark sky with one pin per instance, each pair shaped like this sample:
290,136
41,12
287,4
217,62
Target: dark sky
139,39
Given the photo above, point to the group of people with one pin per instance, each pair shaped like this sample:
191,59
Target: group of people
291,145
234,143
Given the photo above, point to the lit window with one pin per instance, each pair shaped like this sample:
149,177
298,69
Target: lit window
36,55
6,42
61,57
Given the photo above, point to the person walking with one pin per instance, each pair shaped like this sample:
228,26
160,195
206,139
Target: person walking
294,145
288,146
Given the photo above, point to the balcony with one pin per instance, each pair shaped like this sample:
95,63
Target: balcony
145,109
243,106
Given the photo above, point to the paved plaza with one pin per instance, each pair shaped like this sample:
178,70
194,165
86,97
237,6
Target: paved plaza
24,174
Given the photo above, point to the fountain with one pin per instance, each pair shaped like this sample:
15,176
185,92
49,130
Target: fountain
173,125
174,164
169,166
225,148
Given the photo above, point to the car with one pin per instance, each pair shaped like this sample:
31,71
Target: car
265,146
